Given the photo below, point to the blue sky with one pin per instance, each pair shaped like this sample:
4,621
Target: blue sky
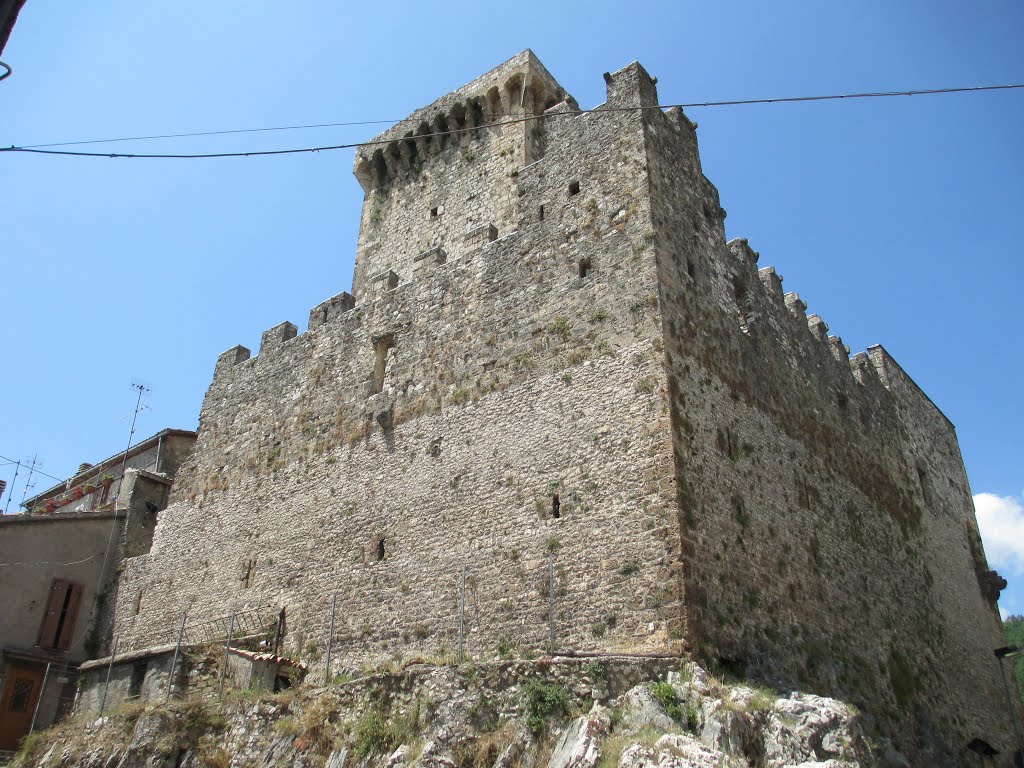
893,218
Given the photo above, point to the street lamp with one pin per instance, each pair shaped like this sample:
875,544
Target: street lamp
1002,653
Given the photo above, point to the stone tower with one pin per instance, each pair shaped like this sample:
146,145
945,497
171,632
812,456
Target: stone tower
555,373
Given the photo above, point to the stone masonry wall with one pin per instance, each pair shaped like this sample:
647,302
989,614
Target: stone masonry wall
825,508
728,480
506,376
432,196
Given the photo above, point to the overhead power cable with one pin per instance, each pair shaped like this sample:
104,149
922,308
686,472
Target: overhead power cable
216,133
37,471
37,148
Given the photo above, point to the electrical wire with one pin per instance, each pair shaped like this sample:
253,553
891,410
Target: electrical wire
37,471
53,562
35,149
216,133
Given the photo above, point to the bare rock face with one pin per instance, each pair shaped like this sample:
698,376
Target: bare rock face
813,730
724,728
642,710
579,745
688,720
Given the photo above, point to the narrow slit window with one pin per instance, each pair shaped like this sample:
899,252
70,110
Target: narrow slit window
556,506
585,266
379,550
690,269
541,213
381,348
138,678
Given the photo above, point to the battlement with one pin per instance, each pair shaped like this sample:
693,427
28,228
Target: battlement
519,87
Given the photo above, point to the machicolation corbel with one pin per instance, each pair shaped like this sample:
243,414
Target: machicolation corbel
796,306
772,281
840,351
741,249
817,327
861,366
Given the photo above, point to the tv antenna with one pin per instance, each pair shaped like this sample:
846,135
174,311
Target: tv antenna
36,462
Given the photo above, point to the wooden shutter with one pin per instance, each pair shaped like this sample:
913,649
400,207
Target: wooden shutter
54,608
67,630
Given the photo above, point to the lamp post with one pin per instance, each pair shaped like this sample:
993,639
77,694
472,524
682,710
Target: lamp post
1002,653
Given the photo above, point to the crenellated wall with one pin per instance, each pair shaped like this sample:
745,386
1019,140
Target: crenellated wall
825,510
429,422
553,358
436,180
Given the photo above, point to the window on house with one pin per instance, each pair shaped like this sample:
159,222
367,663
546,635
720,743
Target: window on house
61,614
21,695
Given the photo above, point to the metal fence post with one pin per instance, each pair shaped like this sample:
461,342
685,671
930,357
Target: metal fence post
462,615
106,684
227,647
330,641
174,660
39,701
551,604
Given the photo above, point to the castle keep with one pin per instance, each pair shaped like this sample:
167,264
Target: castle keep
553,374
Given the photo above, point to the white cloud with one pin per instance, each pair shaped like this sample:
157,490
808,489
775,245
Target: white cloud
1001,521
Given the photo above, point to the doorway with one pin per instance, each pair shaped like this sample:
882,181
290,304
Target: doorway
18,705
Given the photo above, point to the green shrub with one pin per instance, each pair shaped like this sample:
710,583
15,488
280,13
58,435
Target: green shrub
596,671
669,699
692,717
541,702
560,326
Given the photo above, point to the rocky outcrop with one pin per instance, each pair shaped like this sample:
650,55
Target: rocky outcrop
545,714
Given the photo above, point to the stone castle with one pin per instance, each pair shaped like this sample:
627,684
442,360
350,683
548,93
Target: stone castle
555,382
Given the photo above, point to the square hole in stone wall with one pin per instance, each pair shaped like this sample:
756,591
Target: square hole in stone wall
574,188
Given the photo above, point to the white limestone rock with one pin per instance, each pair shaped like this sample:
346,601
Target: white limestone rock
638,756
813,729
579,745
643,710
684,751
724,728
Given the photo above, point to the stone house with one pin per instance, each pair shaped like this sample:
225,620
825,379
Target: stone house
55,568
